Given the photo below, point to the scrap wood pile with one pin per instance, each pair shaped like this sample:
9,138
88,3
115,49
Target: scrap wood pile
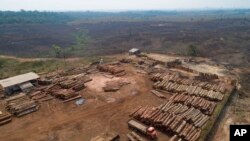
21,105
113,69
5,117
206,106
40,96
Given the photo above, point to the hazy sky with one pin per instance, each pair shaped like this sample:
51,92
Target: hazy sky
76,5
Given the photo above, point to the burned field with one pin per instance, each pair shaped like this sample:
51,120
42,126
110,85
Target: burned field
86,102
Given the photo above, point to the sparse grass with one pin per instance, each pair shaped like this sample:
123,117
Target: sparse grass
10,67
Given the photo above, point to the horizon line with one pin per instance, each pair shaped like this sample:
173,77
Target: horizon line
131,10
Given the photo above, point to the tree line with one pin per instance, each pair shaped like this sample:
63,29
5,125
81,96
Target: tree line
33,17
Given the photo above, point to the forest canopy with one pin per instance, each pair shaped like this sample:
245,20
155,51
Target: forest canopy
24,17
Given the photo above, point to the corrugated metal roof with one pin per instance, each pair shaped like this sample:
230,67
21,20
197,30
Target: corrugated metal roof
18,79
133,50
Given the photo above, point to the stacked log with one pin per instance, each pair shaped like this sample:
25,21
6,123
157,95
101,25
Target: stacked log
79,86
133,136
174,63
40,96
67,87
113,86
1,91
217,87
206,106
169,121
158,94
165,76
44,81
206,76
193,115
4,118
111,69
68,84
84,79
189,89
21,105
126,60
65,94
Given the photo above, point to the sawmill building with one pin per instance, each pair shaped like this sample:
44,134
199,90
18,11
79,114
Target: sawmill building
19,83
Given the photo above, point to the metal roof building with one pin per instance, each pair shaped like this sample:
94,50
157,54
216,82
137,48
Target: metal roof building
134,51
18,82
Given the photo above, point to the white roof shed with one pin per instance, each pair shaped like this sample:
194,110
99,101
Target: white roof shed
133,50
18,79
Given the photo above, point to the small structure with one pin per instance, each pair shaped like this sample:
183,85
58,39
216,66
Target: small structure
23,82
134,51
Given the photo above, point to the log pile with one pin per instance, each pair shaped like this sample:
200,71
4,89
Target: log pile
189,89
158,94
171,122
64,94
5,117
133,136
40,96
174,63
1,92
159,78
126,60
44,81
21,105
65,88
68,84
113,86
115,70
164,76
206,76
191,114
206,106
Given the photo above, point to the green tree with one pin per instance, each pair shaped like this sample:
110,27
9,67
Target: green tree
57,50
81,37
192,50
1,63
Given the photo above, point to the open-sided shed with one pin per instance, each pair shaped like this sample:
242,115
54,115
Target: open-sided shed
19,83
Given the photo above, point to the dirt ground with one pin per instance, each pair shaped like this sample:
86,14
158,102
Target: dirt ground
208,67
102,112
